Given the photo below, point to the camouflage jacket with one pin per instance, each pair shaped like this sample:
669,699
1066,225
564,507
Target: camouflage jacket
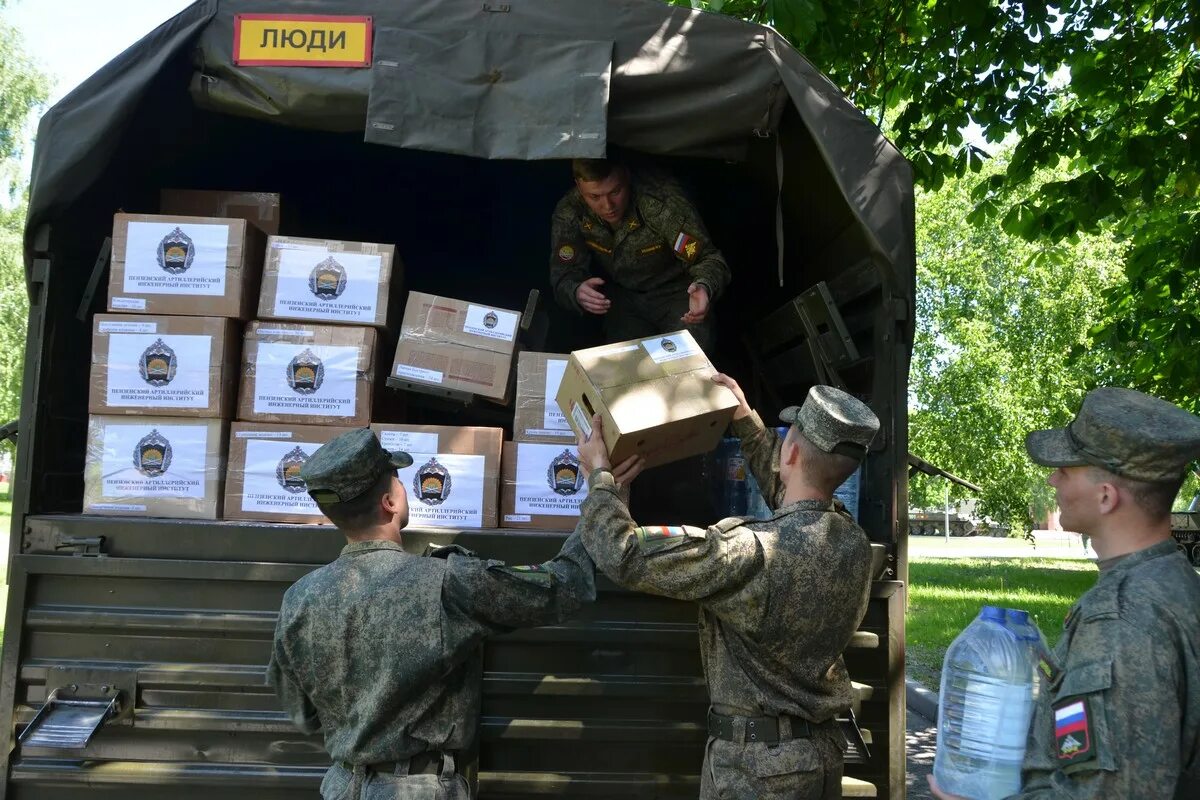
661,244
779,597
380,650
1121,717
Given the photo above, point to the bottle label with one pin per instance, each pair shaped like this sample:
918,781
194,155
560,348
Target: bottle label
995,718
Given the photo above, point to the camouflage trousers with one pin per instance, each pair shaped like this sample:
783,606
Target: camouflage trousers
362,783
799,769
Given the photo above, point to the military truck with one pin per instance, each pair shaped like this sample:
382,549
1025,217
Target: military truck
1185,527
441,126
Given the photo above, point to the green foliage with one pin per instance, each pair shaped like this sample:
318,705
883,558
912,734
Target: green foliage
14,311
997,318
1112,88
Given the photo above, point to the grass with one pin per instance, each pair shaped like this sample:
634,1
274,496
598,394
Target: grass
945,594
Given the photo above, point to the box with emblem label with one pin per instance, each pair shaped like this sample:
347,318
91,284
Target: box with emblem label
536,415
155,467
541,486
264,471
164,366
455,475
454,347
655,396
187,266
344,283
307,374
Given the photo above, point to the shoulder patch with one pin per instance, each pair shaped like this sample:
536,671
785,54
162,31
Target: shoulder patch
537,574
660,538
567,254
1073,739
686,246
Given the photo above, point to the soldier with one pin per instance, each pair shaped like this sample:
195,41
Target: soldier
1121,717
779,597
380,651
629,246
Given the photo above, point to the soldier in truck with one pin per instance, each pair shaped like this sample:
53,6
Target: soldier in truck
779,597
379,651
630,247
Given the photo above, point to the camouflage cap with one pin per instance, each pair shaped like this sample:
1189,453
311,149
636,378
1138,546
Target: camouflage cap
1128,433
834,421
348,465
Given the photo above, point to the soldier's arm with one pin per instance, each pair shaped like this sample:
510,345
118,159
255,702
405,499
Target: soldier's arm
760,448
294,701
570,260
691,244
707,565
493,597
1126,683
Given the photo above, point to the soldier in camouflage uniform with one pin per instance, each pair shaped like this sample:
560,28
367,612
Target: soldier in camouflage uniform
779,597
1121,716
379,651
630,246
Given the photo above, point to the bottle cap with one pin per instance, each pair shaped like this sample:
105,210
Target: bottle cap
1017,615
992,612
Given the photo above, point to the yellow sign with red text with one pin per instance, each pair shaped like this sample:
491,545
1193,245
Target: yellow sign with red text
301,40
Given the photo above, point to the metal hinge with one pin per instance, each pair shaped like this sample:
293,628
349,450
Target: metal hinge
83,545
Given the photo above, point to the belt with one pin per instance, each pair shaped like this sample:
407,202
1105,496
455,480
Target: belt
421,764
770,730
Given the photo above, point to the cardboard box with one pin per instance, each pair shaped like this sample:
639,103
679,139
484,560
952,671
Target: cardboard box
164,366
655,396
157,467
264,471
455,347
541,486
345,283
305,374
455,476
189,266
537,417
261,209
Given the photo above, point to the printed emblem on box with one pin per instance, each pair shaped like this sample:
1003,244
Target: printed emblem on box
158,364
564,474
432,482
305,373
288,471
152,456
328,279
176,252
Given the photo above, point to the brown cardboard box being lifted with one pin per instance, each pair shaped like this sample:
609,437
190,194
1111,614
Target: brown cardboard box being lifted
306,374
264,471
655,396
537,417
450,347
164,366
341,283
190,266
258,208
154,467
454,479
541,486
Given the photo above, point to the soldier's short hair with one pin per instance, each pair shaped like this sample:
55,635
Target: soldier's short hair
825,470
593,169
1154,498
359,513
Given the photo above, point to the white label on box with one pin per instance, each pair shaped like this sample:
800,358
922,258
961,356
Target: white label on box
418,374
318,284
445,490
297,246
129,303
128,327
117,507
518,518
553,418
315,380
671,348
409,441
152,461
263,435
295,333
271,482
581,419
167,371
549,480
567,435
169,258
491,322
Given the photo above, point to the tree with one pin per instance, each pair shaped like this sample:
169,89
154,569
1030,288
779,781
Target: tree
1111,86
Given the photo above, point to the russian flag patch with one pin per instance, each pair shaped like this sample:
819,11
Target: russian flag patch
686,246
1072,731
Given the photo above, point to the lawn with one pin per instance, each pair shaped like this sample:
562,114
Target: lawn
945,594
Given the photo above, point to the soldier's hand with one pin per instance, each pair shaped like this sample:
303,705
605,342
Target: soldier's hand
743,409
593,452
936,790
697,304
627,470
589,297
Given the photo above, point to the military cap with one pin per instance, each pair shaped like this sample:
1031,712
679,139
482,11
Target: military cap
348,465
1127,433
834,421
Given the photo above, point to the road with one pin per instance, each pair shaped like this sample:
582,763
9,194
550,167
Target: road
922,744
1050,544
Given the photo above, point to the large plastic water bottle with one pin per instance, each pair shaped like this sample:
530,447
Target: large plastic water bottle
984,709
1020,623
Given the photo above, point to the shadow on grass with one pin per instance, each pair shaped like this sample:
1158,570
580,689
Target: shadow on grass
945,594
